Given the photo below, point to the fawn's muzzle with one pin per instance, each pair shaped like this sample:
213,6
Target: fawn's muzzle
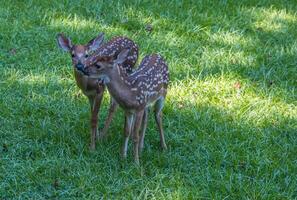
80,67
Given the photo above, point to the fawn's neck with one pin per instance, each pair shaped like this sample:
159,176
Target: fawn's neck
88,85
119,88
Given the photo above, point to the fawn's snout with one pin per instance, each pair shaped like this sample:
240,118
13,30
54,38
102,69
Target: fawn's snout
80,67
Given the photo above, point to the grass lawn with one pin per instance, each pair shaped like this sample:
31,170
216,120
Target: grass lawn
230,117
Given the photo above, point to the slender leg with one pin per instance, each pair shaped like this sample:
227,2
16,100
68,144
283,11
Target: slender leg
142,130
95,103
113,107
129,117
158,117
137,124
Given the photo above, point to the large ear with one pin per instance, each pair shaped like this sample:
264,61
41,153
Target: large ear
64,42
122,56
95,43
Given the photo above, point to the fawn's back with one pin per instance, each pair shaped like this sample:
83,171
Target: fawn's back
150,80
113,48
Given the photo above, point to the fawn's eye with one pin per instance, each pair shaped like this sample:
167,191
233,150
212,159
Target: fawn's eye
87,55
98,66
72,55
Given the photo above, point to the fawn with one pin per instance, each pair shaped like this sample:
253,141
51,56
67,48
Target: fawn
90,86
134,92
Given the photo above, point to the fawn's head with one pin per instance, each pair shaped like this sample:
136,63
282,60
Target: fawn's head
104,65
79,53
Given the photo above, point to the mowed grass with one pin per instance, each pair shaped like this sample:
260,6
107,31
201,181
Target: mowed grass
230,117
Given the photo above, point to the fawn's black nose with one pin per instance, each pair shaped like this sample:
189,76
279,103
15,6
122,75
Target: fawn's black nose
80,67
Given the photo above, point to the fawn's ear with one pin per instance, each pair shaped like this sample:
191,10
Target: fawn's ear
64,42
122,56
96,42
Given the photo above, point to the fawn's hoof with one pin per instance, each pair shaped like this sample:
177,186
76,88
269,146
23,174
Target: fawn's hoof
92,147
123,157
136,162
163,147
101,137
140,148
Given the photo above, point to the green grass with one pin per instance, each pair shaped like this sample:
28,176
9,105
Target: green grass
230,117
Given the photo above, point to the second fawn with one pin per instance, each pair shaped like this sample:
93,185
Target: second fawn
90,86
134,93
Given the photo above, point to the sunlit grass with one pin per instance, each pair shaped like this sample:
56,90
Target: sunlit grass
233,97
273,20
74,22
230,117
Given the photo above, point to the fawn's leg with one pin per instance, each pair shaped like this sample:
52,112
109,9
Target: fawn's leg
158,117
113,107
95,102
137,124
127,131
142,129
